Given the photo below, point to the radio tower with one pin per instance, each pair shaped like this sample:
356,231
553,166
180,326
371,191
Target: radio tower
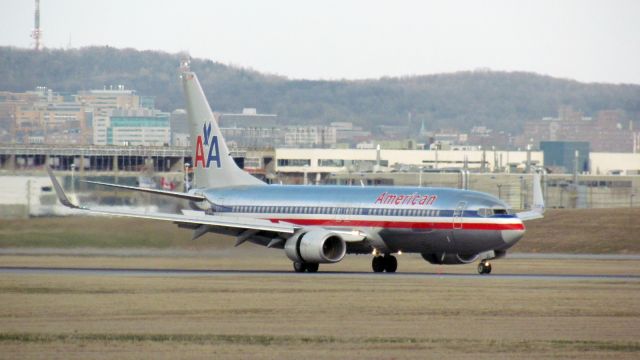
36,34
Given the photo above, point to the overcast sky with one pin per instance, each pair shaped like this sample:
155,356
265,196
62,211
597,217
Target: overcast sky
590,41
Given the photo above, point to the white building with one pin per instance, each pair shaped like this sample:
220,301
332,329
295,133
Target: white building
138,127
310,136
103,103
298,160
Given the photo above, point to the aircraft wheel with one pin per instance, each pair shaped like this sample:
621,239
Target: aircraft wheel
390,263
377,264
312,267
484,267
299,267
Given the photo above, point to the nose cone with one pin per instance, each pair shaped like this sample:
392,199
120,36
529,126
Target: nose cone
511,237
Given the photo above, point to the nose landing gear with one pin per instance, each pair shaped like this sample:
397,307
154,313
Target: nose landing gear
387,263
484,267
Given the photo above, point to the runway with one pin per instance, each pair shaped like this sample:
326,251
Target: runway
322,274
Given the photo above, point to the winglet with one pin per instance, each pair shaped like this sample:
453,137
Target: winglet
537,208
538,198
61,195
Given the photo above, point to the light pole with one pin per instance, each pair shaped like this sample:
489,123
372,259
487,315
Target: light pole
420,177
499,191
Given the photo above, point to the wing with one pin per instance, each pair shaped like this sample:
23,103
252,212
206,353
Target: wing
186,196
199,221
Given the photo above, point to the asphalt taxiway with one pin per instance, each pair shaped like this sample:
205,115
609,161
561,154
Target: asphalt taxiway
322,274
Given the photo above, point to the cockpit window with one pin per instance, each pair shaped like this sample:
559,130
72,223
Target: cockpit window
488,212
485,212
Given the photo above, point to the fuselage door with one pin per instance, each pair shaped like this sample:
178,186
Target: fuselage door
458,214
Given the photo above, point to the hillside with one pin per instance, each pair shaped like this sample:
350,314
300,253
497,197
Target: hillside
499,100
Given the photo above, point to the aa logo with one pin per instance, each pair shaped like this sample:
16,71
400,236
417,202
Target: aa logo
210,144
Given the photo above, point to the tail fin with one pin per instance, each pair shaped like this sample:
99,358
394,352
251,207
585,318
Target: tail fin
212,162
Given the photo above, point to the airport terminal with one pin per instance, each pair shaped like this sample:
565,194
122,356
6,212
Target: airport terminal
588,180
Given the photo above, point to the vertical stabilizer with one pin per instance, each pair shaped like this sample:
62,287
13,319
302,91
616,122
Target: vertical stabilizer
213,165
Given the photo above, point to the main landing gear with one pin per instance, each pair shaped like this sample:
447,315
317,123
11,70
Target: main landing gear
484,267
308,267
386,263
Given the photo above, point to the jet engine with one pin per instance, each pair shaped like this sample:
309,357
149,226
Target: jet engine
450,259
316,246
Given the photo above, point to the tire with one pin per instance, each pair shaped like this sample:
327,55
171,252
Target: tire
390,264
487,268
299,267
312,267
484,268
377,264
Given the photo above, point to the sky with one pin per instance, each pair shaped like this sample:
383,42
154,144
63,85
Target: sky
585,40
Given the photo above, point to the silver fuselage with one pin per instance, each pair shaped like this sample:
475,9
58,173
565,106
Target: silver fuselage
407,219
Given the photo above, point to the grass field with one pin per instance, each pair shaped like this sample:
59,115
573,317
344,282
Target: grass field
386,317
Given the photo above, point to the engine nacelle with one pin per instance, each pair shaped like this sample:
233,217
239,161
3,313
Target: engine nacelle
450,259
316,246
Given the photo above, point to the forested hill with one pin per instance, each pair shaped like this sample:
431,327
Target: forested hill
500,100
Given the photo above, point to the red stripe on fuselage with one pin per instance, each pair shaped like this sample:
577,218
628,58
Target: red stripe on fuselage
403,224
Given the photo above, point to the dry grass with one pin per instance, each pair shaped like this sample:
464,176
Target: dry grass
62,316
584,231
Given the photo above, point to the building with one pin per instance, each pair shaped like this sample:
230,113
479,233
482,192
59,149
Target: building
350,134
179,126
610,131
47,117
310,136
327,161
44,116
103,102
489,138
138,127
249,117
566,156
250,129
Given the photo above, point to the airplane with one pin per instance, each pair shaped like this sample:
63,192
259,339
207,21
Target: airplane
321,224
